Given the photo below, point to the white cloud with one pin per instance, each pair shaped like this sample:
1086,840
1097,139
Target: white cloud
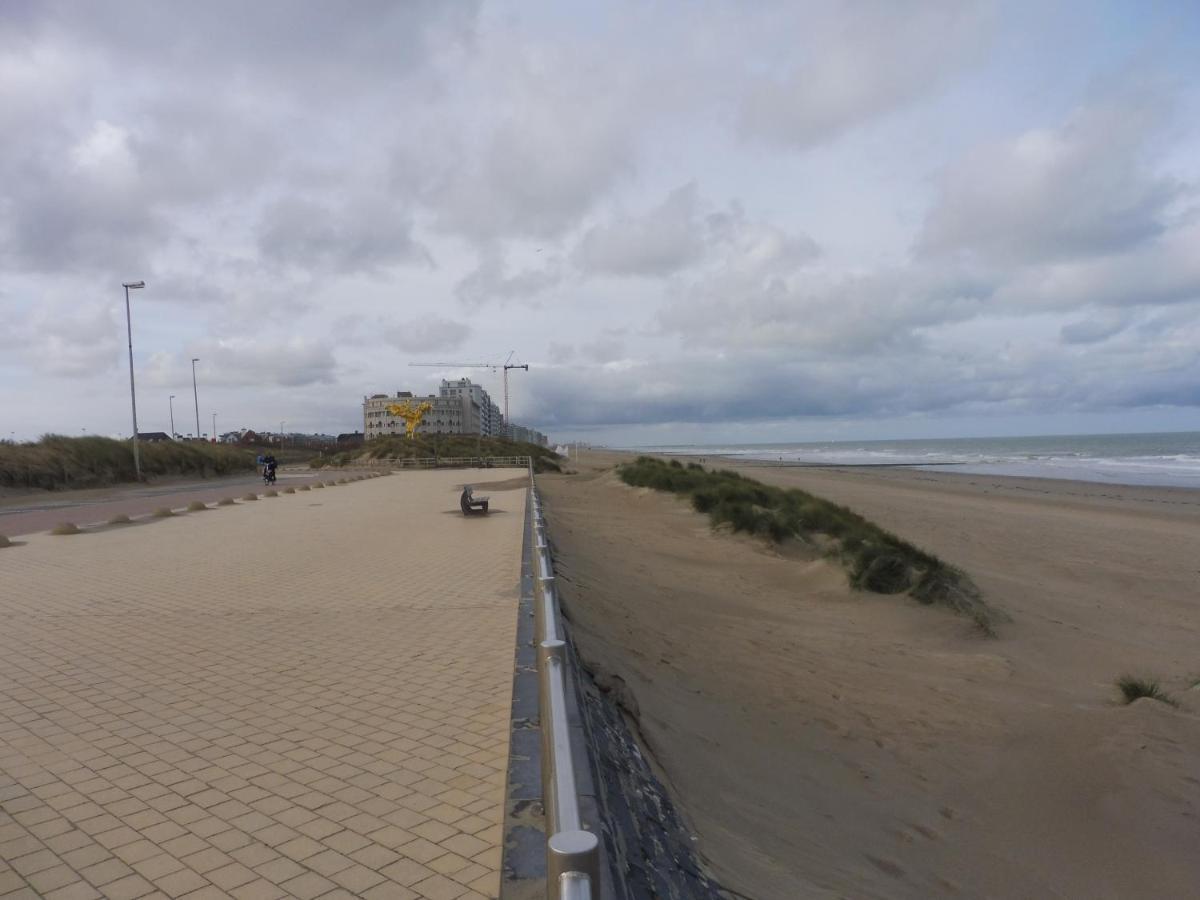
1083,188
839,66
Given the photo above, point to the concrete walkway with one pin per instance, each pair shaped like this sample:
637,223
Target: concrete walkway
302,696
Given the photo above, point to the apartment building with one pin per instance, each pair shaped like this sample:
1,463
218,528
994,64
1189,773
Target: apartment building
459,407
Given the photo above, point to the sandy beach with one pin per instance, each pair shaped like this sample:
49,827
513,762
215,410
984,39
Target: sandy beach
826,742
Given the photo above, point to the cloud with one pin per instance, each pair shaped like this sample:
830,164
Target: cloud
844,65
1081,189
259,362
1094,328
431,333
62,337
362,234
490,282
560,135
665,239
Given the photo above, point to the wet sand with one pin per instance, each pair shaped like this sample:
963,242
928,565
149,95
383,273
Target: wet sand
829,743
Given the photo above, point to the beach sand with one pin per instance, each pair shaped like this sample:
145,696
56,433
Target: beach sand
829,743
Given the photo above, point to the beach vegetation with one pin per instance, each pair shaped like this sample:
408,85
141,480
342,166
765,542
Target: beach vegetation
436,446
197,506
56,462
225,501
163,512
64,528
4,542
1134,688
875,559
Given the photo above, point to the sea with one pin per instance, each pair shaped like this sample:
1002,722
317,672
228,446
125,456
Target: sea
1170,459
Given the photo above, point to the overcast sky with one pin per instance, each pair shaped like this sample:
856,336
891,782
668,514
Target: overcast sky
696,222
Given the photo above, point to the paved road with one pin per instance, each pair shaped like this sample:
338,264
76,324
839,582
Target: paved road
187,710
44,510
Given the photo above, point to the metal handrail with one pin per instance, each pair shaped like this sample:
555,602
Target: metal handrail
433,462
572,854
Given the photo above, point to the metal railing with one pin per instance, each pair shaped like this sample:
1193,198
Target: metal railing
453,462
572,854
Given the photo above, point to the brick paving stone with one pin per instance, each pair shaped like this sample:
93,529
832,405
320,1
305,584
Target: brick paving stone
181,699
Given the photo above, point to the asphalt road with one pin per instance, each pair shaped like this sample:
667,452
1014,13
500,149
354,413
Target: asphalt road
42,511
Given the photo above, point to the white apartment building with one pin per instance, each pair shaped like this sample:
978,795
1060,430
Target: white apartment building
491,422
460,407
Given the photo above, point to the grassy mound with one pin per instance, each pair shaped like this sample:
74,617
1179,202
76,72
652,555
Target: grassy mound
1132,688
440,446
875,559
56,462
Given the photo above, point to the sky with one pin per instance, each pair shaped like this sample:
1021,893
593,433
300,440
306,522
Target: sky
696,222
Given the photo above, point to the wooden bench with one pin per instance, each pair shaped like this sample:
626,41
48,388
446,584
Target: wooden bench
472,505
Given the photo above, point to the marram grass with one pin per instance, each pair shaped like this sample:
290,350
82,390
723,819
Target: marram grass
875,559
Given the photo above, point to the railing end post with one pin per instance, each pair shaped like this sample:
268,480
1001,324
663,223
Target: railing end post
572,853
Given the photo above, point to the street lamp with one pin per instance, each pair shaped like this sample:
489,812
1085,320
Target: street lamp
214,432
171,401
281,424
137,460
196,396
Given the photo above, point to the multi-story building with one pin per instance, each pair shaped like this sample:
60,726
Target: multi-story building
527,435
460,407
491,423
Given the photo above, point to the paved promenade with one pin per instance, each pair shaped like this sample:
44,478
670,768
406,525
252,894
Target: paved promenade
302,696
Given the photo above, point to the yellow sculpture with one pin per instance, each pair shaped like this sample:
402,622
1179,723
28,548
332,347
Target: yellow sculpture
412,415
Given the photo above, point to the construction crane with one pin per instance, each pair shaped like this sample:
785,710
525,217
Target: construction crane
506,366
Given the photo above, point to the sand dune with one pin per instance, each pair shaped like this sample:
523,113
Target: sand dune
825,742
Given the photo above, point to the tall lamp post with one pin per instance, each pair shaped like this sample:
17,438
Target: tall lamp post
281,424
196,396
171,401
214,431
137,460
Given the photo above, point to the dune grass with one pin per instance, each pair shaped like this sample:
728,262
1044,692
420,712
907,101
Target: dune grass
225,501
163,512
65,528
271,494
875,559
1134,688
441,445
197,506
250,496
57,463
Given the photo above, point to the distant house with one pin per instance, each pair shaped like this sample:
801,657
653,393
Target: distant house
153,437
350,439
